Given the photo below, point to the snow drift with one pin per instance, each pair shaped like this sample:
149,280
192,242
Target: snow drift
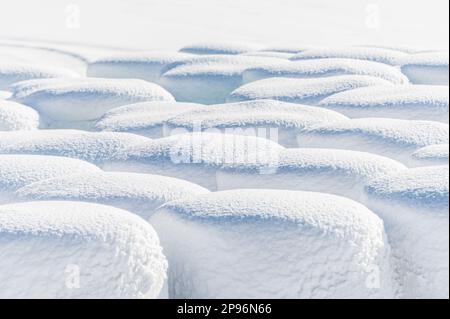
409,102
230,48
137,193
392,138
272,244
307,91
414,207
77,250
430,156
15,116
427,68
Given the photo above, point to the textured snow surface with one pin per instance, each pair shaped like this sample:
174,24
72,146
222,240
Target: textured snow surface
16,116
256,243
431,155
77,250
20,170
388,137
219,48
137,193
308,91
426,68
95,147
409,102
414,206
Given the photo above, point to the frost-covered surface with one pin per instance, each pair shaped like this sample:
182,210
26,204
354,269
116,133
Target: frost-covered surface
77,250
248,117
414,206
307,91
427,68
339,172
16,116
94,147
195,156
325,67
137,193
430,155
410,102
17,171
87,99
388,137
145,118
272,244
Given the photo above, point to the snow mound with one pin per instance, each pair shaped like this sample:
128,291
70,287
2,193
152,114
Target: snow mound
77,250
254,118
88,99
15,116
94,147
230,48
270,54
382,55
137,193
194,157
293,49
392,138
209,79
11,72
427,68
272,244
145,118
325,67
142,65
307,91
339,172
430,155
410,102
414,207
17,171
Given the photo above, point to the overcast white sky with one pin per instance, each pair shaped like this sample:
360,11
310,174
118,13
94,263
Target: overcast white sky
168,24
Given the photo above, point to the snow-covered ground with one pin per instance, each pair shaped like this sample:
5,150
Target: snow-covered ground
207,149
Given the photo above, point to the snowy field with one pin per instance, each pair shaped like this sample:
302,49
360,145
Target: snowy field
219,149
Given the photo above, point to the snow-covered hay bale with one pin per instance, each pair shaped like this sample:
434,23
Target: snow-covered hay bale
276,120
11,72
228,48
414,207
94,147
333,171
273,244
430,156
325,67
145,118
77,250
382,55
138,65
17,171
307,91
392,138
15,116
427,68
137,193
209,79
409,102
88,99
194,157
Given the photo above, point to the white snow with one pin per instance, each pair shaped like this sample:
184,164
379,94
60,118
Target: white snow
17,171
392,138
317,68
94,147
307,91
430,155
219,48
410,102
339,172
137,193
77,250
145,118
427,68
253,118
87,99
414,207
16,116
194,157
272,244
